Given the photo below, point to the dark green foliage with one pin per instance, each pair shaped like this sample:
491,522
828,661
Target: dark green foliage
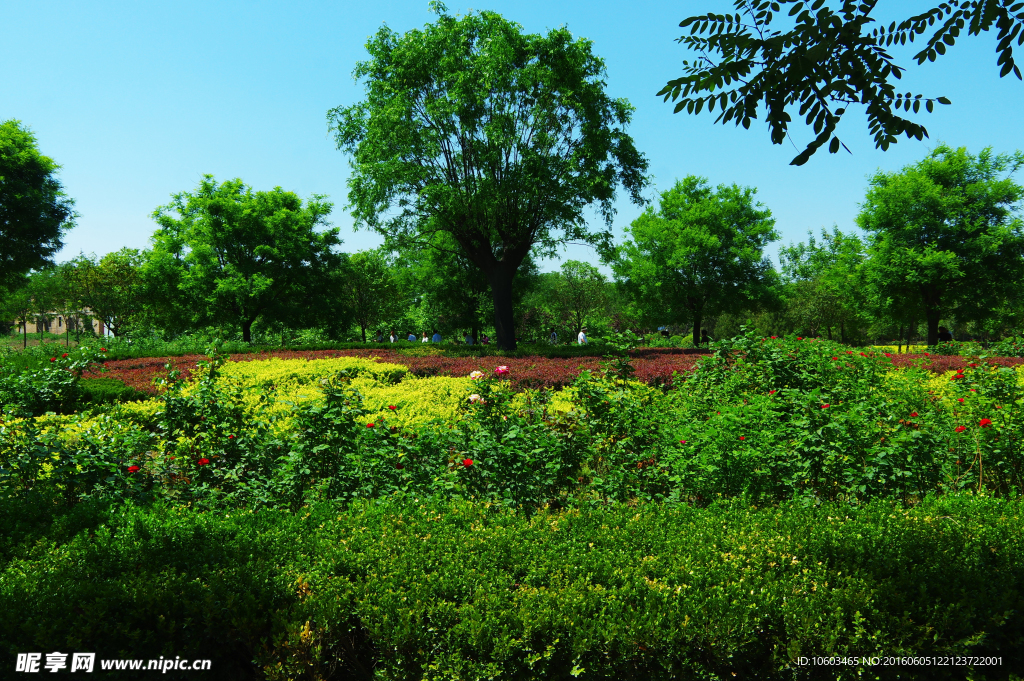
829,60
108,390
457,590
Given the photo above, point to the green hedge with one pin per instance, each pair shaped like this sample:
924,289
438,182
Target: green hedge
458,590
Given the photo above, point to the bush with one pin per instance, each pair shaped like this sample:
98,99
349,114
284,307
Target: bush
108,391
458,590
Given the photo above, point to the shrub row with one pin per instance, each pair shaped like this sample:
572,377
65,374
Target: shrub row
433,590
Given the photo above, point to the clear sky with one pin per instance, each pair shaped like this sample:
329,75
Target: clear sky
137,100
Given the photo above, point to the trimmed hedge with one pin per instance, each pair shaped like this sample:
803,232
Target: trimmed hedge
405,590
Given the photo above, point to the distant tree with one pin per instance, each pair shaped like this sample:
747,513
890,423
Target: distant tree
112,288
827,62
234,254
496,138
698,255
34,210
944,236
825,282
579,292
16,304
369,289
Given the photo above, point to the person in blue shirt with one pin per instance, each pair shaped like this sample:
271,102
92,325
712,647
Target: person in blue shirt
469,338
412,337
436,338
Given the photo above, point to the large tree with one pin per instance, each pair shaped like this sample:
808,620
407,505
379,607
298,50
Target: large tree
34,210
944,235
234,254
805,58
699,254
497,138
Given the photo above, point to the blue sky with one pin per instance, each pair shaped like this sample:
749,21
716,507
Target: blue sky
138,100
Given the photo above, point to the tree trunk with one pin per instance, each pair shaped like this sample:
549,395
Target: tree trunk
504,324
696,329
842,332
899,340
932,314
362,329
247,330
24,329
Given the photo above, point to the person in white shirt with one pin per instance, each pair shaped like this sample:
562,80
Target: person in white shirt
436,338
425,339
394,336
582,338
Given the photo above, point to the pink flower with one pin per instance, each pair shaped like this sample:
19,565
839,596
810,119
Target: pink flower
203,461
474,398
133,469
682,442
502,370
476,375
984,423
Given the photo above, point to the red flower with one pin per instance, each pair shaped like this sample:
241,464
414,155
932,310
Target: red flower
64,355
682,442
863,355
959,399
369,425
960,429
825,406
133,469
103,349
927,355
467,462
231,437
913,414
392,407
799,337
972,364
835,358
774,337
984,423
743,437
849,352
203,461
888,354
772,392
53,359
973,390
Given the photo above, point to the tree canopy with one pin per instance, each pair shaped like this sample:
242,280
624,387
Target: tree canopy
700,253
34,210
497,138
240,254
826,62
945,236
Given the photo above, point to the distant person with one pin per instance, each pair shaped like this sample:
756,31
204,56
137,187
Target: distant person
704,340
485,340
553,337
436,338
426,338
394,336
469,338
944,335
379,338
411,337
665,333
582,338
